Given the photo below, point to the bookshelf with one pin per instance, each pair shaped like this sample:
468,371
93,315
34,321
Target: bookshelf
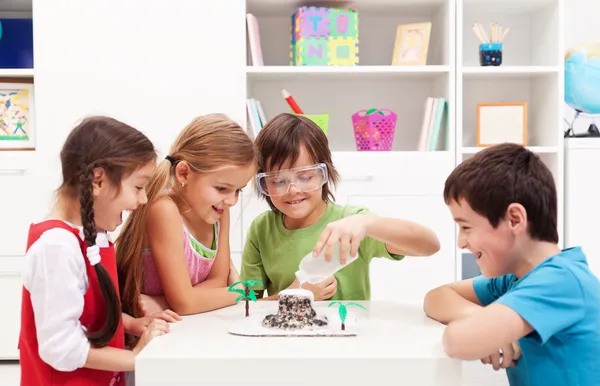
374,83
532,72
404,182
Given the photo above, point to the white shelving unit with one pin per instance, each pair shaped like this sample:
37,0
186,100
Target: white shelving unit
532,72
403,183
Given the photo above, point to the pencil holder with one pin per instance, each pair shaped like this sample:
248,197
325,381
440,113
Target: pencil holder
322,120
374,129
490,54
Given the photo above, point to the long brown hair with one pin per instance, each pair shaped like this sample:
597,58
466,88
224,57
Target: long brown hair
119,149
207,143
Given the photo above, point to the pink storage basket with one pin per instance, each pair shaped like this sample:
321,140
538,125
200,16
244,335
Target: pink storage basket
374,129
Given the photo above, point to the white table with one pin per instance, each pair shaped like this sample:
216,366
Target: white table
396,345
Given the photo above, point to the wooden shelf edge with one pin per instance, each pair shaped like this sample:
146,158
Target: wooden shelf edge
323,70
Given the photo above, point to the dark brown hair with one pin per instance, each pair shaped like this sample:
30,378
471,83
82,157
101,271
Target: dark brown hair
206,143
119,149
504,174
281,140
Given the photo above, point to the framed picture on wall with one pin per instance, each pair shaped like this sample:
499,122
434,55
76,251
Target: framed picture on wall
17,126
501,122
412,44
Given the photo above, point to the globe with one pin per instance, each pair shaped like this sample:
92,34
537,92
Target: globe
582,78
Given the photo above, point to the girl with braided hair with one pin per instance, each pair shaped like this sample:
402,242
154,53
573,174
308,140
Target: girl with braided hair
72,327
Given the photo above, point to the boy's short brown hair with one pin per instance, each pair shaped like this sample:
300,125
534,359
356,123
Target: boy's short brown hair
281,139
503,174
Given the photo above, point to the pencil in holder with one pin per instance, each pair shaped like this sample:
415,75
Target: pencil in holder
322,120
374,129
490,54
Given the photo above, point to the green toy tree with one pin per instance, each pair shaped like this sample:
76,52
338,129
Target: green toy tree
246,294
343,310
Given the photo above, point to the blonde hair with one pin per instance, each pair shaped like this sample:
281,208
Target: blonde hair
207,143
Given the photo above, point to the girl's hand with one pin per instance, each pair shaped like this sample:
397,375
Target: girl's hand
152,304
349,232
156,328
139,325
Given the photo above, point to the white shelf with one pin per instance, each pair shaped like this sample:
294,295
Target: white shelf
535,30
526,7
541,93
582,143
16,73
374,83
508,72
377,24
532,71
342,97
373,7
535,149
337,72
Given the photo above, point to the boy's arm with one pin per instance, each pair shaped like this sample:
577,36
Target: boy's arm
548,301
358,231
402,237
451,301
483,332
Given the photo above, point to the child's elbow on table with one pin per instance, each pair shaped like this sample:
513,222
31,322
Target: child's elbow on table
456,345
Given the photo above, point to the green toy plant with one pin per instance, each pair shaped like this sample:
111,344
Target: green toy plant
246,294
343,310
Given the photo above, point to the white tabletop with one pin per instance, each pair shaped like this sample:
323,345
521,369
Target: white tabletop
395,344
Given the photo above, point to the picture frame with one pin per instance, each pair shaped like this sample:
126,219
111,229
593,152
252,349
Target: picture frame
501,122
17,116
412,44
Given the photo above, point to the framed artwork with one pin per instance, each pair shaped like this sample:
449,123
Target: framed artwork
412,44
17,131
501,122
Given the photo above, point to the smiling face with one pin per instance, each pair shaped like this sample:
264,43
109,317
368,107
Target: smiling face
297,204
496,249
209,194
109,202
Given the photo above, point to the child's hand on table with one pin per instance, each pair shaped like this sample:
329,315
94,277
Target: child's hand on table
155,328
158,321
349,232
510,354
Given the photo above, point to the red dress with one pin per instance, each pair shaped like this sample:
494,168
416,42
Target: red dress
36,372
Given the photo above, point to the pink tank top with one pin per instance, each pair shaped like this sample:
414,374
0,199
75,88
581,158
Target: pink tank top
199,266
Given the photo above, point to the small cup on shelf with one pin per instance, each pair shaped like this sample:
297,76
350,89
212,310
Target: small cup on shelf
490,54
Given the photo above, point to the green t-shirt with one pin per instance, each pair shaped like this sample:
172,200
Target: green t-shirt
272,253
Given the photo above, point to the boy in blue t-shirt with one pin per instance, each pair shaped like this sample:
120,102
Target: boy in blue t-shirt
536,309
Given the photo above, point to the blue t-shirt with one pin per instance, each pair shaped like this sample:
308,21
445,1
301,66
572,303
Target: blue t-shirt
560,299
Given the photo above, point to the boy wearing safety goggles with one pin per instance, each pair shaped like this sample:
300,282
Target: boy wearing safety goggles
296,177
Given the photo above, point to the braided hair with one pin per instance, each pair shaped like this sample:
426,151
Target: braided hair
119,149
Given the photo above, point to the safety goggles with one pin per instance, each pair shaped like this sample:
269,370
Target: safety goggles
304,179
